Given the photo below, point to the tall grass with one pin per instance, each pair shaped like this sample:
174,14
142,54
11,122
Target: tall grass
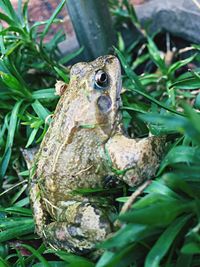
162,226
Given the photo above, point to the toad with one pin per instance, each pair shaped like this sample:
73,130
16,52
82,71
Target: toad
84,144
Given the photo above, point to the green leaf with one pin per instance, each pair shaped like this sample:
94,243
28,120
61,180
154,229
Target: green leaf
52,264
17,231
14,85
62,74
67,58
159,187
155,56
9,10
185,260
22,202
11,82
163,244
15,30
160,213
105,259
148,79
5,161
32,137
51,19
191,248
127,256
40,110
13,222
4,263
20,258
180,64
180,154
48,93
17,210
12,48
25,12
37,255
120,41
171,123
73,260
10,138
40,23
131,12
178,184
128,234
193,116
139,87
140,60
187,84
6,19
130,73
197,102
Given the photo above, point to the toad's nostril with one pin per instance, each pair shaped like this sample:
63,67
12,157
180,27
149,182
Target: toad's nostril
104,103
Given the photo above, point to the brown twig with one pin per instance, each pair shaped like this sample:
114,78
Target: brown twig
132,199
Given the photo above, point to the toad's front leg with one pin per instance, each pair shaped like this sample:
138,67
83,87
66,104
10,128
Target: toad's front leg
138,158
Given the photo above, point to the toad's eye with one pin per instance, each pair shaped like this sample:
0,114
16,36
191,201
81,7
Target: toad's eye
101,79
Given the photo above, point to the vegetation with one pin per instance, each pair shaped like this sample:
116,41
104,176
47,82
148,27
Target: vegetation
161,97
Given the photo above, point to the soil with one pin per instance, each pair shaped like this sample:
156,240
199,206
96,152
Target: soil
42,10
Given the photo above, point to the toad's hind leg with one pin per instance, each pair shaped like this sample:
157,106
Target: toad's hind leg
78,228
77,225
40,216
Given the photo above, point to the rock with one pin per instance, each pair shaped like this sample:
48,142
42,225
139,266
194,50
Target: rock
179,17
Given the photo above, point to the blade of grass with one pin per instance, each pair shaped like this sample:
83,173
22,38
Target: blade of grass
74,260
4,263
155,56
9,10
40,110
7,19
186,84
31,137
10,139
37,255
19,230
133,78
67,58
163,244
51,19
48,93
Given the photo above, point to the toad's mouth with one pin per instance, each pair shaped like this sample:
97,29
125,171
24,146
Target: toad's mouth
104,103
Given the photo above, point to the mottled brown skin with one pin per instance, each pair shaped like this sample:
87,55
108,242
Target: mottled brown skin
74,155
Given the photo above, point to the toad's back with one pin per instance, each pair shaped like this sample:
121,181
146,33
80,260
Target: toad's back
70,155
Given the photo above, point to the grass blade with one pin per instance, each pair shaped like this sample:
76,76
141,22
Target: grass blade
9,10
41,111
48,93
69,57
37,255
50,21
163,244
132,76
26,228
10,139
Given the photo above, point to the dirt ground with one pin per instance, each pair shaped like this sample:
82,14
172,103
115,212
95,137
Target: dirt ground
40,10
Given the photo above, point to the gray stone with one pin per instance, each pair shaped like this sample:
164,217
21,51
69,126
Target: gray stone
179,17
